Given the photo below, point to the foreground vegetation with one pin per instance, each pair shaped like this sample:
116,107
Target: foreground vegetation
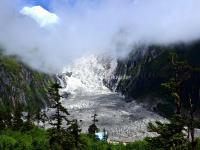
38,139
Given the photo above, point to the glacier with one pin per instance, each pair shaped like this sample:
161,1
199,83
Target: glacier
83,81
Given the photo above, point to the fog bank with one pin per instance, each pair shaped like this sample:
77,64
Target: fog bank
93,27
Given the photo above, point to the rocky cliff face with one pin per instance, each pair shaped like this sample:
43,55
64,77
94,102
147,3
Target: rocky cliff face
140,71
19,83
141,74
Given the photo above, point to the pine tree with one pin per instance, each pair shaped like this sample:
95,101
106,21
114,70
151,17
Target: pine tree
75,131
2,121
28,124
41,116
5,118
59,137
93,128
8,119
17,117
44,118
37,116
174,85
61,112
183,72
170,135
191,124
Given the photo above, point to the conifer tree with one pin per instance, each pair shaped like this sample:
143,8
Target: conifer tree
93,128
171,135
17,117
5,118
8,119
61,112
174,85
2,121
75,131
44,117
191,124
37,116
28,124
59,136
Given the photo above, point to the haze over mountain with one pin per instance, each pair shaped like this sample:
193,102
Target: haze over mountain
85,27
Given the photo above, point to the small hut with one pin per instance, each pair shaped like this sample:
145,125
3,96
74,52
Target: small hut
102,136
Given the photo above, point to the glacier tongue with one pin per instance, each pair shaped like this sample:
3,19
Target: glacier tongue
83,80
87,75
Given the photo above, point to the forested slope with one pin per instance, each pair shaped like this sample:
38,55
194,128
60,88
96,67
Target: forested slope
141,74
19,83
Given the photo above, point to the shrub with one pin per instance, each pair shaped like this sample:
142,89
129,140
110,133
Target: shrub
7,143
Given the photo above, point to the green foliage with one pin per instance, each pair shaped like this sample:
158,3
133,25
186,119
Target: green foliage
198,144
11,64
75,131
38,139
60,137
35,139
28,124
20,82
92,129
170,135
90,143
166,109
61,140
138,145
17,118
60,111
7,142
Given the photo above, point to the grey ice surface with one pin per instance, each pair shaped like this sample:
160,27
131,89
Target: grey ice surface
124,121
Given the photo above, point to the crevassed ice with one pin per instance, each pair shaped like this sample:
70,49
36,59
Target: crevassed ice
88,74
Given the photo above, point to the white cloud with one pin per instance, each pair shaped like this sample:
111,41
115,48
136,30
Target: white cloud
111,26
40,15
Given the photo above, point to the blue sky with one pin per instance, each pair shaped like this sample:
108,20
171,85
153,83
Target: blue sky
44,3
47,4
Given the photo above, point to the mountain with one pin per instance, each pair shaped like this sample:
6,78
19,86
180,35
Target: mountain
19,83
141,74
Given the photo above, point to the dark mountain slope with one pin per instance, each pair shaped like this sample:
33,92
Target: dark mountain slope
19,83
141,75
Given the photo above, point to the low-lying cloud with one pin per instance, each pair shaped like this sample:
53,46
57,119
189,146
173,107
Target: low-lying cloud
108,26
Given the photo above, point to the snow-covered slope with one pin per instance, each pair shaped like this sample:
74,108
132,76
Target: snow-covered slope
86,75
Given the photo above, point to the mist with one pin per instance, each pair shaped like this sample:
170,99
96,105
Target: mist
94,27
